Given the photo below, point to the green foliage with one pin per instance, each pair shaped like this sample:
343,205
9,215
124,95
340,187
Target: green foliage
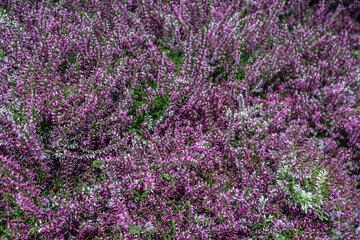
115,96
177,58
18,115
307,192
69,59
288,234
244,60
160,106
12,215
43,128
96,164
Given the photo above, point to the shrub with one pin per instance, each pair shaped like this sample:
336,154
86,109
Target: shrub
179,119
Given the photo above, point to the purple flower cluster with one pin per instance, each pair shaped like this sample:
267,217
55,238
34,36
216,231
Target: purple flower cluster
179,119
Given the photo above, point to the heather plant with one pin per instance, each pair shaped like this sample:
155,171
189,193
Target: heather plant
145,119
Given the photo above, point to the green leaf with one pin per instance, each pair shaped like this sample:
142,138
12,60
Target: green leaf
96,164
335,15
91,87
33,110
97,89
134,229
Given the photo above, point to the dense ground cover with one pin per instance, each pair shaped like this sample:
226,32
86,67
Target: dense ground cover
194,119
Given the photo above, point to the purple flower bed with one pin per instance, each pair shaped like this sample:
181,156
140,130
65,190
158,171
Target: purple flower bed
191,119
